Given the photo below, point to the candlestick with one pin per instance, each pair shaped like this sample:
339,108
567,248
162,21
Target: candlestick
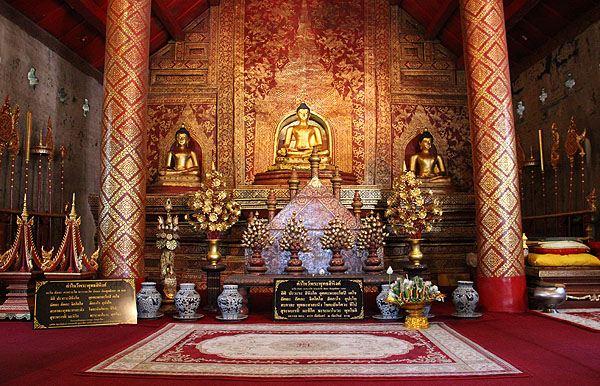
28,137
541,150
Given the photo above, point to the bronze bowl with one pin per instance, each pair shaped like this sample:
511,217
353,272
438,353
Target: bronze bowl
550,296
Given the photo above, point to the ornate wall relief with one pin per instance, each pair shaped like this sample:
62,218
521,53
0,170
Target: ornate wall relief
182,91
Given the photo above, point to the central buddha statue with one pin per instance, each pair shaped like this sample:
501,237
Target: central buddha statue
426,163
183,165
295,138
299,140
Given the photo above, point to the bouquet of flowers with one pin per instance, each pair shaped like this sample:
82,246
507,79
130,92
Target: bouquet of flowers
214,210
413,291
411,209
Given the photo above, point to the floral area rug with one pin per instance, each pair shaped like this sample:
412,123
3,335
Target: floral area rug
588,318
314,351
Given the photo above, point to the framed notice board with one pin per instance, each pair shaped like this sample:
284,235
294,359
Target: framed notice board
78,303
318,299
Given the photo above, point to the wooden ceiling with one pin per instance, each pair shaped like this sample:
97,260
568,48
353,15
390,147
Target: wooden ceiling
535,27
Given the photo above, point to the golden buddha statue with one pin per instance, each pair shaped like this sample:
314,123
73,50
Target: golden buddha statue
299,141
427,164
296,136
183,164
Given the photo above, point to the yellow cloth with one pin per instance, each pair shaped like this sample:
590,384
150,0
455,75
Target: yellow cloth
554,260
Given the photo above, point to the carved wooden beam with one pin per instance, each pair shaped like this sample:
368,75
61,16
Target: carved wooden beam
174,29
517,10
573,29
441,18
91,13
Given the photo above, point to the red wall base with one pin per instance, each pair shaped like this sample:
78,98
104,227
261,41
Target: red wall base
502,294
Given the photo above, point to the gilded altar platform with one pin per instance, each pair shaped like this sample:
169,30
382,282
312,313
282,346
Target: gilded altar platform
445,248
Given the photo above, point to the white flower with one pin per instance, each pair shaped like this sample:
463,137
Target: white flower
390,270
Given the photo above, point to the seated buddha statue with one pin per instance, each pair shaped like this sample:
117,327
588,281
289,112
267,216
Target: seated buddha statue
427,164
304,136
183,164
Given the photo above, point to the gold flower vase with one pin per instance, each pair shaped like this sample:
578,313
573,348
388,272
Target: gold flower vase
415,320
213,255
415,255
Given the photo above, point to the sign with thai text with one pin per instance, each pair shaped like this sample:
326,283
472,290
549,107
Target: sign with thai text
318,299
77,303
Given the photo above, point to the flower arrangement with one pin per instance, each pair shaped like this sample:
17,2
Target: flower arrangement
337,236
295,236
214,210
415,290
256,236
411,209
371,233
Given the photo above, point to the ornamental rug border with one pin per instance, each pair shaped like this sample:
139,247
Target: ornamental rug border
312,351
587,318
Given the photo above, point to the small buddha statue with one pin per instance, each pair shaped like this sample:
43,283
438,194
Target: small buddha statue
183,165
427,164
181,159
305,137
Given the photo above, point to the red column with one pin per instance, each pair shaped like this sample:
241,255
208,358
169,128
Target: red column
123,152
501,279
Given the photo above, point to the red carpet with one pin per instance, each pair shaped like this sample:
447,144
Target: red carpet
305,350
582,317
548,351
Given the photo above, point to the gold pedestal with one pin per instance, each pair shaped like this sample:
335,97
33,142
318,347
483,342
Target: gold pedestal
415,320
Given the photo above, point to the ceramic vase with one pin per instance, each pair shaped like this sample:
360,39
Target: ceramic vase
187,300
465,298
230,302
148,301
388,310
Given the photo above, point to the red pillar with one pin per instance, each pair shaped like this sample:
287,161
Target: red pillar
123,152
501,278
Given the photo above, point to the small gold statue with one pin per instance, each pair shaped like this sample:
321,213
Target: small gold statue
305,136
181,158
183,165
427,164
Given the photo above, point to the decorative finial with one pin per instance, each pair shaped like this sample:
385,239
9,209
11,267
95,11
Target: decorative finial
24,214
73,214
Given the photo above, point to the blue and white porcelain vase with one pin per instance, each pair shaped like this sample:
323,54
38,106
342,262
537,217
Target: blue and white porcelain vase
465,298
148,301
230,302
187,300
388,310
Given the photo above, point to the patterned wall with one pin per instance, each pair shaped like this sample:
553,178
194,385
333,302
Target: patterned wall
182,91
362,73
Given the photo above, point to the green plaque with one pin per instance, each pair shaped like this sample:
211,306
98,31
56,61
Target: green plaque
78,303
318,299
